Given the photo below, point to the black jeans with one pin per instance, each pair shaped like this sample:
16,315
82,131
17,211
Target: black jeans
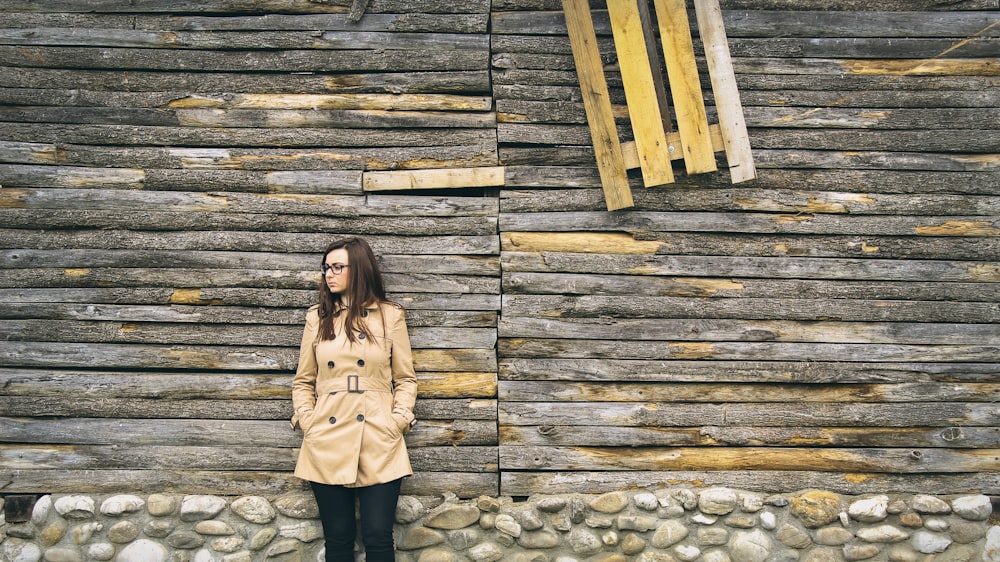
378,512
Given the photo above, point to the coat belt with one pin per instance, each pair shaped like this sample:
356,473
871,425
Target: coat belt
355,383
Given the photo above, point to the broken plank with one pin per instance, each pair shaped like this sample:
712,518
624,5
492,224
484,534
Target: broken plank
727,97
597,103
491,176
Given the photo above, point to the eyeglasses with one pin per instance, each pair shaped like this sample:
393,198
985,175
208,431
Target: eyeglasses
336,268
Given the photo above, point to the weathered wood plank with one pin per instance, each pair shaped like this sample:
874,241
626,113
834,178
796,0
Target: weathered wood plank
785,159
818,309
665,414
255,7
517,283
742,351
241,136
576,435
427,23
449,178
339,206
898,19
249,118
837,139
816,246
141,356
247,296
197,333
190,385
788,115
183,280
696,198
242,241
98,258
190,220
773,138
762,222
756,371
217,313
206,432
268,160
570,180
829,459
250,39
285,60
457,385
566,391
593,482
140,457
791,92
763,267
95,84
742,330
221,482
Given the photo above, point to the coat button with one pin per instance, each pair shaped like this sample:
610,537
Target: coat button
329,364
361,417
333,419
361,362
361,336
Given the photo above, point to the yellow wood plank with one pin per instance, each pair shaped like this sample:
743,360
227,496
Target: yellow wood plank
685,86
439,178
727,96
597,104
631,154
640,92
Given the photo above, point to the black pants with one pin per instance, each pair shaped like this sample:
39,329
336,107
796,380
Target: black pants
378,512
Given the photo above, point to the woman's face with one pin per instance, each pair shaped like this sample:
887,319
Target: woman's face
337,282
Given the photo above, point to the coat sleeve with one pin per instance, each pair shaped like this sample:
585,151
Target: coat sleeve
304,382
404,378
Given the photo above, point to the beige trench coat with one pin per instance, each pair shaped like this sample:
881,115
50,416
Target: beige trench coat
355,402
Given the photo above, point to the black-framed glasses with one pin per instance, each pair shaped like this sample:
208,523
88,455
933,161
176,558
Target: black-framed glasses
336,268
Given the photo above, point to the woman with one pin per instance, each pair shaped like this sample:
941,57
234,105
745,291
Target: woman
353,395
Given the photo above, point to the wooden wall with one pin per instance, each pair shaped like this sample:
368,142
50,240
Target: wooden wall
171,171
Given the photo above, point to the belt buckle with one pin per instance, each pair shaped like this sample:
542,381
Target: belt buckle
357,385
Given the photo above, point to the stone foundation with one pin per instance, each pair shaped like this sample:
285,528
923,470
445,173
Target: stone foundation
710,525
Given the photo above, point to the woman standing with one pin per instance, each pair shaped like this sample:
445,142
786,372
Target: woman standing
353,395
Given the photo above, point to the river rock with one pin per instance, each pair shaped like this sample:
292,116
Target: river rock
143,550
611,502
717,501
869,510
816,508
122,503
75,507
793,537
973,508
929,504
882,534
160,505
753,546
254,509
669,533
200,507
930,543
453,516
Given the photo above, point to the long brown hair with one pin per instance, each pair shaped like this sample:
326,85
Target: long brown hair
365,288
